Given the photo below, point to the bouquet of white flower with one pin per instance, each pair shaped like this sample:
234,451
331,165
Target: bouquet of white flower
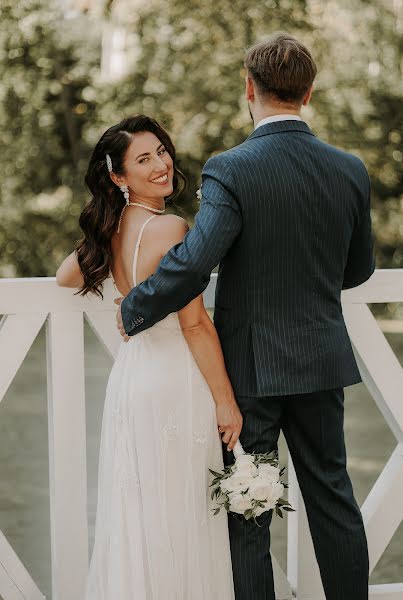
251,486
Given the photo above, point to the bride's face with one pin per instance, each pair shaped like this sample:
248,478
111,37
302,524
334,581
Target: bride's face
148,167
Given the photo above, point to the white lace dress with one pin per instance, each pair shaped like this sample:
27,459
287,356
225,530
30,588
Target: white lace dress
155,535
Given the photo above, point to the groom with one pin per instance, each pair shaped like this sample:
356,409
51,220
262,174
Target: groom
288,219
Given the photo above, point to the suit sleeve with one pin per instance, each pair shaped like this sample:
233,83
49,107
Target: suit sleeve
360,260
184,272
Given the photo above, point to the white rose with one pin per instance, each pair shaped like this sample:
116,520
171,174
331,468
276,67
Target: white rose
277,490
246,468
260,489
226,485
274,492
244,465
236,483
240,503
269,473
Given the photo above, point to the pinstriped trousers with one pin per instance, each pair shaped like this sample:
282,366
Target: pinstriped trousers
313,427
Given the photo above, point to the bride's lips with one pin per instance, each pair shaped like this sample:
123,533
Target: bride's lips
161,180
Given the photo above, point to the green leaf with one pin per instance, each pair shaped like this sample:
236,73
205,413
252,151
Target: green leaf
219,475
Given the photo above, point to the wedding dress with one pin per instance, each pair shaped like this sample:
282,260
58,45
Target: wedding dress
156,537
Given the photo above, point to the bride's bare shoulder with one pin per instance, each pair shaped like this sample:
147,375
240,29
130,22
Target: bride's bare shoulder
168,230
170,222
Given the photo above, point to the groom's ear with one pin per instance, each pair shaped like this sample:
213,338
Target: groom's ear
307,97
249,88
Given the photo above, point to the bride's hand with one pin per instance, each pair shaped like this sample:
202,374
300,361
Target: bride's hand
119,321
229,420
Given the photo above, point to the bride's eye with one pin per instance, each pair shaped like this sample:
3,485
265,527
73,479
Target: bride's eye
143,159
162,151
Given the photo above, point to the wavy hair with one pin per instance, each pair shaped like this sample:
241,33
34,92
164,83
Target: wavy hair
99,218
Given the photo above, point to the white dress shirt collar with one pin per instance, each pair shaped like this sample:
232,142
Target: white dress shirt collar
274,118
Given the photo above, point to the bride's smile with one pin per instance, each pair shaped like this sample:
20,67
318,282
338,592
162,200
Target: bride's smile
148,170
161,180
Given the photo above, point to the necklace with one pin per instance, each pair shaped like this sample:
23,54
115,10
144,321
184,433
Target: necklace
158,211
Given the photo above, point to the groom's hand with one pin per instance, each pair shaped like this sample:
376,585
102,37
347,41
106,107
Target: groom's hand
119,321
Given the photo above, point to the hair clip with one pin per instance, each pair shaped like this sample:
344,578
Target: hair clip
109,163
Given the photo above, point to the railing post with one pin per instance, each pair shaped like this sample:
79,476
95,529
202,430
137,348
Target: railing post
67,454
302,567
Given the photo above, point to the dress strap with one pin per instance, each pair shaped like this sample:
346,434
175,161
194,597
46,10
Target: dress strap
136,251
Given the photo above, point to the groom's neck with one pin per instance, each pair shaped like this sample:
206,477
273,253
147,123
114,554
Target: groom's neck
271,110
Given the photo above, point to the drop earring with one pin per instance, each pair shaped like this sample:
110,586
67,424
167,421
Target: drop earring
125,191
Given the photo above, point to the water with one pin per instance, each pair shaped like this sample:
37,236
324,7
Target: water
24,481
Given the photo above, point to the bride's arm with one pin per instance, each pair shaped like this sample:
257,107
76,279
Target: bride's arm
69,274
202,338
204,344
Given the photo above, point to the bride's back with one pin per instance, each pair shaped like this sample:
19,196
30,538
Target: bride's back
160,234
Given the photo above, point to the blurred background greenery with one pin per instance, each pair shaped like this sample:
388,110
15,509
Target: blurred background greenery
71,68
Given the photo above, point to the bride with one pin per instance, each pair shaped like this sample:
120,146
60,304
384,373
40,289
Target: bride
168,395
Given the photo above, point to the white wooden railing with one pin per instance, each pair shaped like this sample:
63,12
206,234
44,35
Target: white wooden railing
27,303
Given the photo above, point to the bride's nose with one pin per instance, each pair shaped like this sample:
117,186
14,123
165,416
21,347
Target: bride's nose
160,166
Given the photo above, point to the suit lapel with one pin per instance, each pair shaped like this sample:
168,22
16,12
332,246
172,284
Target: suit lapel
280,127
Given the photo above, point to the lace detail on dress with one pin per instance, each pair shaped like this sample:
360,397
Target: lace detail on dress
170,429
200,434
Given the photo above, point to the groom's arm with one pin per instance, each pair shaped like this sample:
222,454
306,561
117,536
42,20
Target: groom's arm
360,260
185,270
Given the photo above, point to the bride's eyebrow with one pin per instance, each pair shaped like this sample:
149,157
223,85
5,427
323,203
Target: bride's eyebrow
148,153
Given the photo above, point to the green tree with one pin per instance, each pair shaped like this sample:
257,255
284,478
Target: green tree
358,99
44,70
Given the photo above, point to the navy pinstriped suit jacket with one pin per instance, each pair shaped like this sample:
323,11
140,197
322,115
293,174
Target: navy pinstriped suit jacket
288,219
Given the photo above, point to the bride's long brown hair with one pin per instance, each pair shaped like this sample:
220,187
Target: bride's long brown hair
100,217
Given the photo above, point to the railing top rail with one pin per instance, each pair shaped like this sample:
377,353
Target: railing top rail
33,294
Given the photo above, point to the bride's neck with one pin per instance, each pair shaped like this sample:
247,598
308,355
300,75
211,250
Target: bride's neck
153,202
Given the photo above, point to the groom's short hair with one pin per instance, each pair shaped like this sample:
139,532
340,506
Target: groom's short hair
281,67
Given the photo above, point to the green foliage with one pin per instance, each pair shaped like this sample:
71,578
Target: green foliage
357,103
188,74
44,71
